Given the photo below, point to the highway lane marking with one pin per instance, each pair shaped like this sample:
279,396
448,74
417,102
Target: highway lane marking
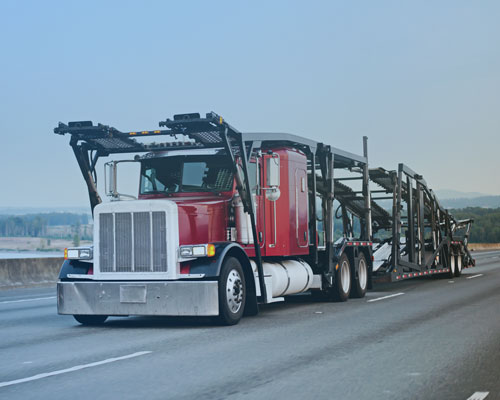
474,276
23,300
479,396
73,369
384,297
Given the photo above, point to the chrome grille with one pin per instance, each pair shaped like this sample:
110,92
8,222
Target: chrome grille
133,242
142,241
106,242
123,242
159,241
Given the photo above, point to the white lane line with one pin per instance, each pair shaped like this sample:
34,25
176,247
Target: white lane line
23,300
474,276
72,369
385,297
479,396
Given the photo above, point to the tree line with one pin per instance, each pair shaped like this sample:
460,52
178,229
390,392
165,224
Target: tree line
35,225
486,225
485,229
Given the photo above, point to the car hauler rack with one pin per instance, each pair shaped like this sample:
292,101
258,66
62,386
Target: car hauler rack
252,219
421,238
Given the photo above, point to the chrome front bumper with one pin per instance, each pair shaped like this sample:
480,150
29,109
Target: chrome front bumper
169,298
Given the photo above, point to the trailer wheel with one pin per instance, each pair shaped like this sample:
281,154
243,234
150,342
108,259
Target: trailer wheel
232,292
91,320
342,287
459,265
451,272
359,282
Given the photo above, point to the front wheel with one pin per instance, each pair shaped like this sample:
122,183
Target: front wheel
232,292
360,280
92,320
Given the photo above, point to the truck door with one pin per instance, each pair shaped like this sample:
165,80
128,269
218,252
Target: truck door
255,178
301,207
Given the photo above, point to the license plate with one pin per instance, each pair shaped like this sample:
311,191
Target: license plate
133,294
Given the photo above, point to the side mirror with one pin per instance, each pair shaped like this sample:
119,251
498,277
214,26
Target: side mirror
272,177
273,171
110,179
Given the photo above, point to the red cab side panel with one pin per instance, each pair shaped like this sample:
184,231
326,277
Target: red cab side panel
287,218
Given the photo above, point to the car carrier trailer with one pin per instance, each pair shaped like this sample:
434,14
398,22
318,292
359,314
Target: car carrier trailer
225,221
423,238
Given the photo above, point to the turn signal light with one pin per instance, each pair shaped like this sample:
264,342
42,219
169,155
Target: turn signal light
210,250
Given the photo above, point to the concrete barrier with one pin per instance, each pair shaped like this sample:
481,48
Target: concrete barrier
484,246
18,272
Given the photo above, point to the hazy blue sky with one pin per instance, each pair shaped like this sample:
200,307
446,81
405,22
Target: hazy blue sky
420,78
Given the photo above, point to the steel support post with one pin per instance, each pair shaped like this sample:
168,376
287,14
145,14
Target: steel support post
368,233
313,222
410,238
83,162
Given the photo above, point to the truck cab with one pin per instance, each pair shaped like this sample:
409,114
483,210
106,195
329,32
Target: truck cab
221,223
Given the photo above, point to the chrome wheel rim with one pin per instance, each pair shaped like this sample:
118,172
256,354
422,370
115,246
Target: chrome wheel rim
459,263
345,278
234,291
452,263
362,274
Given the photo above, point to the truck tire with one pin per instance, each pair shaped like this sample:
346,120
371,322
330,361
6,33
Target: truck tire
451,272
342,286
232,292
91,320
458,265
359,281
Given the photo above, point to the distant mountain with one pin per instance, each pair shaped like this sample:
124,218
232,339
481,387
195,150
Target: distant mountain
455,194
483,201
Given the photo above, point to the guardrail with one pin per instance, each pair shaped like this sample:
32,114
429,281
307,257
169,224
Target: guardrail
484,246
19,272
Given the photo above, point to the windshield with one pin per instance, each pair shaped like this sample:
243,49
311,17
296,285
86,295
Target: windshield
186,174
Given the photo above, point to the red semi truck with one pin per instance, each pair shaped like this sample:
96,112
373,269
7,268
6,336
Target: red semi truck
226,220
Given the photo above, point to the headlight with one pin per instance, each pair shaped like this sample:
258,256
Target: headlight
199,250
78,253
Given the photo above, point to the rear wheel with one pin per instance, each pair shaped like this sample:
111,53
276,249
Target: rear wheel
91,319
459,265
342,287
232,292
451,272
360,280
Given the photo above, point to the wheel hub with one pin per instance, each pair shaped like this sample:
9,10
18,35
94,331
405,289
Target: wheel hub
234,290
362,274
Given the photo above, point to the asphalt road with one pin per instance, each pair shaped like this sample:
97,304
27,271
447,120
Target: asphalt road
439,339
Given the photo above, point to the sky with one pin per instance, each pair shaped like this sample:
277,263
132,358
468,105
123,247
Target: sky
421,79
